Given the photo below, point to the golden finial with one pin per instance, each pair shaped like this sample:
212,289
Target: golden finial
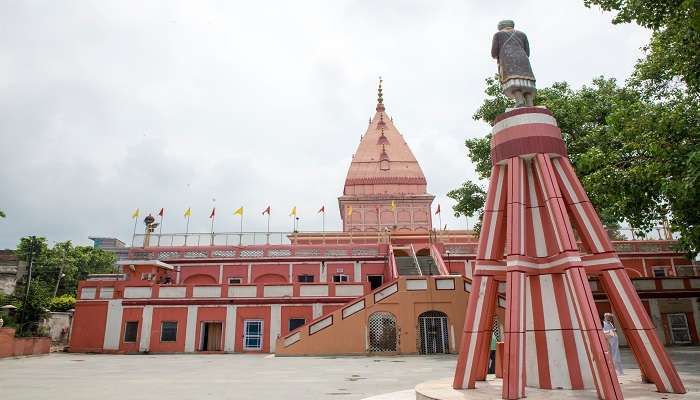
380,98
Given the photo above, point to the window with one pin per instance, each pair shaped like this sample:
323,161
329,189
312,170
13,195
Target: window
340,278
168,331
295,323
375,281
659,272
253,334
234,281
130,331
147,276
305,278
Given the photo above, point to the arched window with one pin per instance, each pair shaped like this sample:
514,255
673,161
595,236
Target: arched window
382,331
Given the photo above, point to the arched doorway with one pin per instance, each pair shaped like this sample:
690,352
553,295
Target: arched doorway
382,332
433,333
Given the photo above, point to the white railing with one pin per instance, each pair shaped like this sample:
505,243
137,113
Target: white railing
220,239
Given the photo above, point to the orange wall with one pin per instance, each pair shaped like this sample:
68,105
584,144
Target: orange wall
178,314
288,312
130,314
244,313
88,326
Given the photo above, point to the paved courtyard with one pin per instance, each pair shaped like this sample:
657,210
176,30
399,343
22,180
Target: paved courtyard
243,376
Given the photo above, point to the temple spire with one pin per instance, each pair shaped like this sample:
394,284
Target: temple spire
380,96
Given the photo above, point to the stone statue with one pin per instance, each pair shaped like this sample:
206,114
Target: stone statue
512,50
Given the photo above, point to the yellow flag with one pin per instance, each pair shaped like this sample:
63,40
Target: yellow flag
239,211
135,214
294,211
188,212
349,211
393,205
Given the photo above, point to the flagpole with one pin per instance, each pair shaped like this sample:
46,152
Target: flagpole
160,228
268,227
136,220
324,226
240,238
187,229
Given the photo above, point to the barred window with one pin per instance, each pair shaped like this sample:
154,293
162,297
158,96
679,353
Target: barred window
168,331
131,331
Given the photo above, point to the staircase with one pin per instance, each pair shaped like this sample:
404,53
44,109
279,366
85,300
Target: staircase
351,328
427,265
407,266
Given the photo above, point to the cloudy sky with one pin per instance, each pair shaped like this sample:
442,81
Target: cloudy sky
107,106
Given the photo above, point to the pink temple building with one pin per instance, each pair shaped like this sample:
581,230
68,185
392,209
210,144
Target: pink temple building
387,283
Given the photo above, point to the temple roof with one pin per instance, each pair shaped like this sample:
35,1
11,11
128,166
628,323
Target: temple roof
383,163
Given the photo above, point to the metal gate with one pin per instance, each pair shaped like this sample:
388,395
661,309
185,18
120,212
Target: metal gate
382,332
433,333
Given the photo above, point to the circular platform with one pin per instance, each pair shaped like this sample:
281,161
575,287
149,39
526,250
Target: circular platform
441,389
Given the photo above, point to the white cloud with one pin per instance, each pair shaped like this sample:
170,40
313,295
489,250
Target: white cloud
109,106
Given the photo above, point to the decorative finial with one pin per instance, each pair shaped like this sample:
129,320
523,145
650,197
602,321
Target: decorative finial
370,120
380,96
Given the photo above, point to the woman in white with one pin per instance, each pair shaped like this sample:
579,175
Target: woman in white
611,335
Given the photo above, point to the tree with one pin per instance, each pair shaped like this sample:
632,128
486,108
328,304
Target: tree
2,214
673,54
58,269
638,158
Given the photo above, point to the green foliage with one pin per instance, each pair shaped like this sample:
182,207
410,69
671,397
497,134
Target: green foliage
638,158
673,54
62,303
2,214
71,263
74,262
34,309
470,201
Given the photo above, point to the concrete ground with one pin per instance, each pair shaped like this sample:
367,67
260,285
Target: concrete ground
242,376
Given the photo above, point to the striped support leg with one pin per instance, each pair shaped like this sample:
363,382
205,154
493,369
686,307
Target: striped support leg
477,331
604,375
514,354
640,332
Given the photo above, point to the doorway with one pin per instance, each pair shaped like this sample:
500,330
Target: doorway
211,336
375,281
252,334
433,331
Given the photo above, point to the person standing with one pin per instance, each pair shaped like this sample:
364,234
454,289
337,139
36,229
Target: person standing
611,336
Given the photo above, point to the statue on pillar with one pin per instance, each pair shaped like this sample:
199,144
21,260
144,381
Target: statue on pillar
512,50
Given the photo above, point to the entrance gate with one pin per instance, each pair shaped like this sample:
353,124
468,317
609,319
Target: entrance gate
433,333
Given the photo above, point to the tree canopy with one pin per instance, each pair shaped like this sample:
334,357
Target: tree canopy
56,272
636,157
635,146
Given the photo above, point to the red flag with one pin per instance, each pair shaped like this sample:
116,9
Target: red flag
267,211
161,212
438,210
213,212
322,209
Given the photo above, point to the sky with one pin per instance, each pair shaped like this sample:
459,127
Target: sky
109,106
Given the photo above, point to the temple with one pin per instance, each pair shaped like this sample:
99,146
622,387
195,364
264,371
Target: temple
388,282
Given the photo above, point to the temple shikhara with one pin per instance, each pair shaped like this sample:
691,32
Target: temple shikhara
539,276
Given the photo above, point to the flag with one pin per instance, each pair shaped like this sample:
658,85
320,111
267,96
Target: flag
294,211
239,211
393,205
349,213
213,213
161,212
322,209
135,214
438,210
188,212
266,211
